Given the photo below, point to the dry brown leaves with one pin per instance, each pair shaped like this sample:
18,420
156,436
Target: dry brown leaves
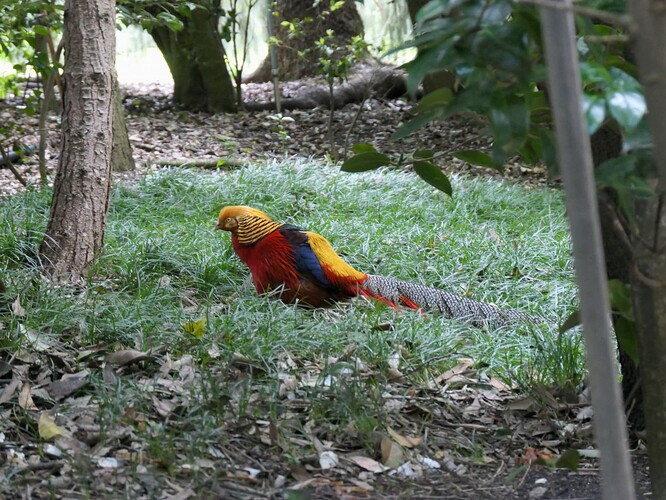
56,429
160,133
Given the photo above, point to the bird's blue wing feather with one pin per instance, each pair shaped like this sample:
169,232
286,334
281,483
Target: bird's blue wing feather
307,263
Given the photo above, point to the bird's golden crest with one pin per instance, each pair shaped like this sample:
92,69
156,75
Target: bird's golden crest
248,224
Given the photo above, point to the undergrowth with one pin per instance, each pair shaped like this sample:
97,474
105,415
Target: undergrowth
163,266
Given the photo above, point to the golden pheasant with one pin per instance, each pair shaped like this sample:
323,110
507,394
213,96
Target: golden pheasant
302,266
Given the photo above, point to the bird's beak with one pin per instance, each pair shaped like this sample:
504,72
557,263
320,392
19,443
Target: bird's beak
227,225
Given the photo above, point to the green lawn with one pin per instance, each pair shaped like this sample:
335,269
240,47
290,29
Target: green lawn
164,266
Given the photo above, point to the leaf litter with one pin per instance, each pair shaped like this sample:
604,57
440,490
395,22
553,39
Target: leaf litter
58,429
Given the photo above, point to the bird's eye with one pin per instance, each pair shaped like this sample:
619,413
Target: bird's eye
228,219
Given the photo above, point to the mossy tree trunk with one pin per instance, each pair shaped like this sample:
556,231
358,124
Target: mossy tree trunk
196,58
345,23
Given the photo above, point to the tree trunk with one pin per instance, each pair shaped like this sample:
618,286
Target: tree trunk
345,23
196,58
606,144
648,278
648,285
75,230
121,160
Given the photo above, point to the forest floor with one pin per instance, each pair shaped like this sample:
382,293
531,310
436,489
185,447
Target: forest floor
516,438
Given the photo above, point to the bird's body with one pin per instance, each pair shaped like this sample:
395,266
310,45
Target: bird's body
302,266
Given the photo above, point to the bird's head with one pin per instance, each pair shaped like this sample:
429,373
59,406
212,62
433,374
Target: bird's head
229,218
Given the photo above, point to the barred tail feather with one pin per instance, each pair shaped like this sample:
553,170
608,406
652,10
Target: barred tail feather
417,296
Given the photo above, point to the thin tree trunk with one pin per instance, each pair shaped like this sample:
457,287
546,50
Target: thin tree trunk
122,160
75,230
648,278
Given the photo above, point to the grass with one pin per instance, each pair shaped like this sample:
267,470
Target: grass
163,266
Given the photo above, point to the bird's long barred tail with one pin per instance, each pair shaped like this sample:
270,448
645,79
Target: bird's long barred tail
449,304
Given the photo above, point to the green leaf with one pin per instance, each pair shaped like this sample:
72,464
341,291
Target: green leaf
627,107
365,161
593,72
196,328
363,148
433,176
624,81
41,30
437,98
171,21
594,108
625,175
638,138
413,125
572,321
474,157
570,459
510,121
625,331
620,298
436,8
423,154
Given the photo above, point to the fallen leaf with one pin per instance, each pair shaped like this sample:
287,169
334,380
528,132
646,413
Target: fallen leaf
499,385
107,463
109,375
521,404
328,459
463,365
25,397
47,427
537,492
164,407
9,391
407,442
569,459
67,384
17,309
392,454
126,357
429,462
361,484
585,413
38,341
368,464
196,328
589,453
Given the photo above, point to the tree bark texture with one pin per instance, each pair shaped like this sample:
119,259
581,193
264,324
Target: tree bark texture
648,277
75,230
648,283
122,160
345,22
196,58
